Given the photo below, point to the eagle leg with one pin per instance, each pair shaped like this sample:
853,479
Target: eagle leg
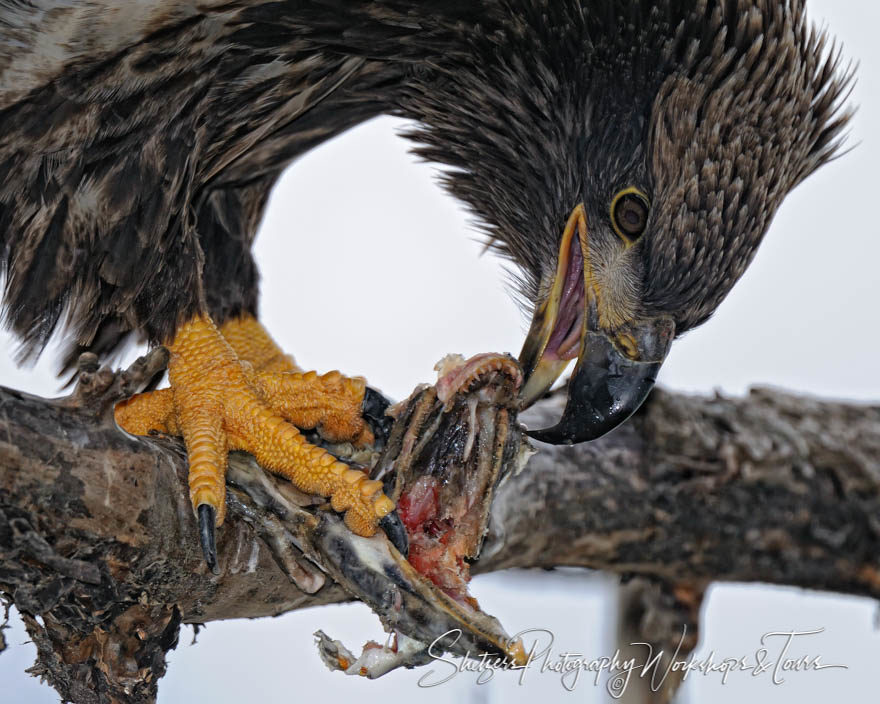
220,402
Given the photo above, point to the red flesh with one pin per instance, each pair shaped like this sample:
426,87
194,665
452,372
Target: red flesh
433,549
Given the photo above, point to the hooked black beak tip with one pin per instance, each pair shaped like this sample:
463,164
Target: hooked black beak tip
605,389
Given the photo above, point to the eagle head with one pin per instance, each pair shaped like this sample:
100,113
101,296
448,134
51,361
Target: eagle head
628,158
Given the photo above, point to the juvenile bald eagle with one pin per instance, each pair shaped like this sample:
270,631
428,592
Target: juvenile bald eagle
627,157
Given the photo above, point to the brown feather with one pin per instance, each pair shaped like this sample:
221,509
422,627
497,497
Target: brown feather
140,140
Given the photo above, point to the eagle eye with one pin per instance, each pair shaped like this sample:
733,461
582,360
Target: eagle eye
629,214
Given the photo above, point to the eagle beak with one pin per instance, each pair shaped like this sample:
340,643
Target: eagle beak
615,370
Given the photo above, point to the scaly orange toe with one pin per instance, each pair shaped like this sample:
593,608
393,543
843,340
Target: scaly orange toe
218,403
252,343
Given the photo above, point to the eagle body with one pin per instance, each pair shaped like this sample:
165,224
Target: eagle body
135,169
139,140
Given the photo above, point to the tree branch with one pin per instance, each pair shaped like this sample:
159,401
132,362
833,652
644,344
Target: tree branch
97,537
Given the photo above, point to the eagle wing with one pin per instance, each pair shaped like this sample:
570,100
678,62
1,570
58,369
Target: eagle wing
140,141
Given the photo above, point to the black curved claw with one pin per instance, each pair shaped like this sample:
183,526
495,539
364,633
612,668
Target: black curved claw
393,527
207,518
373,409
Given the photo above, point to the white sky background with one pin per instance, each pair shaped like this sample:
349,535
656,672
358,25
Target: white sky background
360,234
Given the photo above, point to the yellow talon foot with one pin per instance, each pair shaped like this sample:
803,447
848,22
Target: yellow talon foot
237,393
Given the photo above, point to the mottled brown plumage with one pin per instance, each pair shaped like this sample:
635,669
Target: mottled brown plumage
139,141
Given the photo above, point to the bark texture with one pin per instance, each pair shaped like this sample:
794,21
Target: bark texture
99,552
